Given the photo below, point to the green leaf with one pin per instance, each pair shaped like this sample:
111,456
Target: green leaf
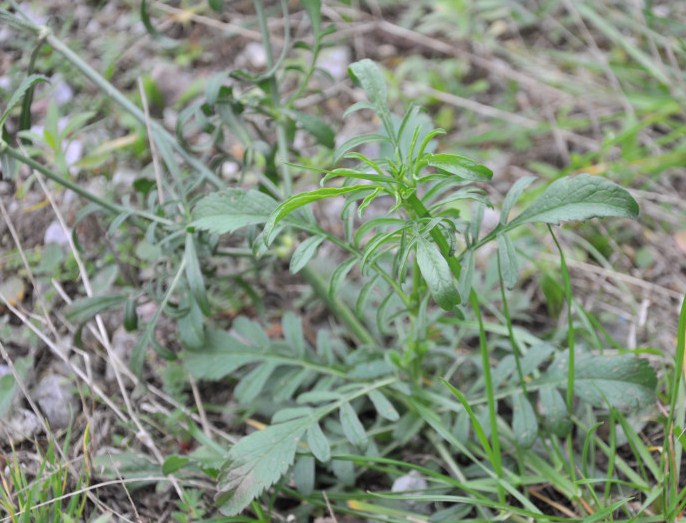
464,284
303,474
384,407
83,309
249,388
24,86
162,40
369,76
300,200
258,461
579,198
507,258
316,127
304,253
356,141
293,333
220,355
352,428
436,273
196,283
626,383
130,315
513,195
524,423
313,8
553,410
318,443
339,275
460,166
229,210
216,5
174,463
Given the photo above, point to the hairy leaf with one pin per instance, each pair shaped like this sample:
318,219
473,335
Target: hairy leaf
229,210
436,273
258,461
318,443
384,407
313,9
579,198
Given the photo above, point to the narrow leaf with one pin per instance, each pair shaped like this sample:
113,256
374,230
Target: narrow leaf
304,253
317,127
384,407
194,277
24,86
524,423
303,474
460,166
249,388
464,284
313,9
507,258
82,310
300,200
553,411
368,75
436,273
513,195
352,428
579,198
318,443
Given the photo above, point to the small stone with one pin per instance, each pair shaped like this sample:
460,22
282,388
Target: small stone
55,234
412,481
55,397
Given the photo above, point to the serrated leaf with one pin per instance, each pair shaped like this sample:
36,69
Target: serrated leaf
369,76
460,166
196,282
318,443
507,259
384,407
553,410
579,198
436,272
513,195
623,382
352,428
229,210
83,309
524,423
300,200
313,9
258,461
304,253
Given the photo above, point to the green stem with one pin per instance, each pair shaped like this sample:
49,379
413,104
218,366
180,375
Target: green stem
417,208
339,309
113,207
510,331
281,142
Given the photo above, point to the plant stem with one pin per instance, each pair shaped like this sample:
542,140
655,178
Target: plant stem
417,208
113,207
339,309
